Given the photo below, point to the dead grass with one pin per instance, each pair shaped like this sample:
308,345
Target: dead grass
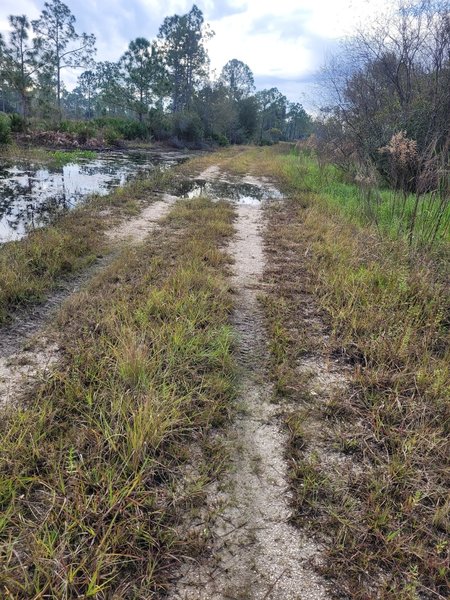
102,466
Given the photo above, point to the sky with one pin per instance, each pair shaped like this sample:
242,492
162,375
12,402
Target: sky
284,42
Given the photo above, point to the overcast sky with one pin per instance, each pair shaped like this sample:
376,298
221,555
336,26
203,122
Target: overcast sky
284,42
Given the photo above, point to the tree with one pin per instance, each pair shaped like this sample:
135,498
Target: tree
181,41
248,116
87,85
298,122
217,111
238,78
393,76
142,74
20,60
58,44
272,106
111,93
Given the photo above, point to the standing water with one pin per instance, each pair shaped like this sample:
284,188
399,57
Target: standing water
31,195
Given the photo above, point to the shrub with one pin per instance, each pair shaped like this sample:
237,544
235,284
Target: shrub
403,161
188,126
134,130
221,139
275,134
112,136
5,129
18,123
159,124
128,129
85,132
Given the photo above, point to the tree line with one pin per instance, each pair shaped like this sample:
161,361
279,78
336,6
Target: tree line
164,84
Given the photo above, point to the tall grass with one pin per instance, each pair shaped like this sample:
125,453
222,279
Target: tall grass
97,474
425,218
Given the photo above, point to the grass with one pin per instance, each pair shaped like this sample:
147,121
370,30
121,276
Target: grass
390,211
64,157
31,267
43,155
15,152
98,476
386,211
368,460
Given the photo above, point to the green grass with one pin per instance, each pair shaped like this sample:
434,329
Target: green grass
384,210
64,157
44,155
97,475
388,210
368,462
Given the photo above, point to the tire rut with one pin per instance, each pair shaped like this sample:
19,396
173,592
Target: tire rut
256,554
28,346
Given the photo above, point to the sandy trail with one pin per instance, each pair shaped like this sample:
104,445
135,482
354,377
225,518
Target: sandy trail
28,349
256,554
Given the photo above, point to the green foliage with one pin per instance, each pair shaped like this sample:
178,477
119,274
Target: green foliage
140,84
221,139
84,130
188,126
159,124
5,129
389,211
112,136
367,445
63,157
102,449
18,123
59,45
128,129
248,116
238,78
133,130
184,55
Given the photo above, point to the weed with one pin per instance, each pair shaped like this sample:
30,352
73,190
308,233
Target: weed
64,157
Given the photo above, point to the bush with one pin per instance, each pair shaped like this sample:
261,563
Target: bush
134,130
159,124
18,123
5,129
83,130
221,139
128,129
111,136
188,126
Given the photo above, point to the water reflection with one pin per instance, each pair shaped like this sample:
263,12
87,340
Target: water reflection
242,193
31,195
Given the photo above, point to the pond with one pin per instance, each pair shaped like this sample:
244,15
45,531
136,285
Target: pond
31,195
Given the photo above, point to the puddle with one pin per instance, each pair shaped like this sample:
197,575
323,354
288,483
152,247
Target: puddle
32,195
241,193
